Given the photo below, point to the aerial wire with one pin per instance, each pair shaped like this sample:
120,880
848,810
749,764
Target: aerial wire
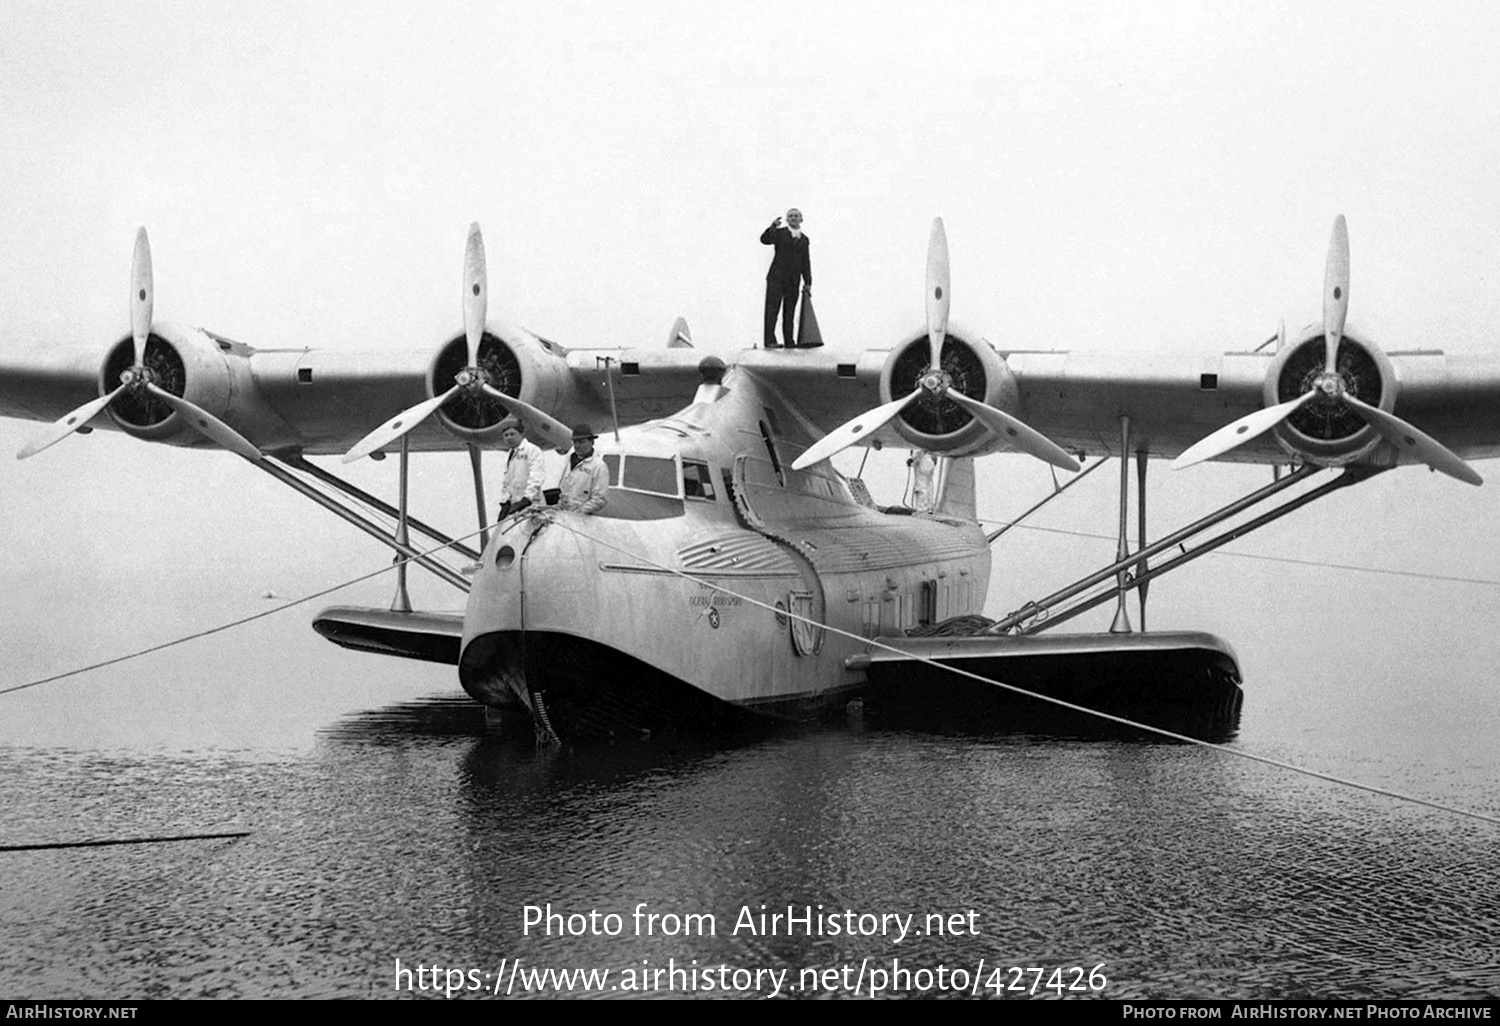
1322,564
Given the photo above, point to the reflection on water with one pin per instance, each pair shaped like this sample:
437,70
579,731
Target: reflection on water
409,833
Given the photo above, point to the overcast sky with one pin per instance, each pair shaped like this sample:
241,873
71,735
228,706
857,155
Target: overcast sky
1112,176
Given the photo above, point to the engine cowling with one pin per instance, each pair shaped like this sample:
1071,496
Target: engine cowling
937,423
516,362
1325,431
180,360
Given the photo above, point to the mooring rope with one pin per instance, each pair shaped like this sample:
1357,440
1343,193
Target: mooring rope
172,839
933,663
241,621
124,840
872,642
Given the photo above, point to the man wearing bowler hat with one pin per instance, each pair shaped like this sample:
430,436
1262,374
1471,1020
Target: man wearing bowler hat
524,470
584,484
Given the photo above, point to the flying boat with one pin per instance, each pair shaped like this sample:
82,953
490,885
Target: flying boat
735,575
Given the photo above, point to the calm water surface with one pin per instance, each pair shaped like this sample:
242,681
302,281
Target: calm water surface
405,831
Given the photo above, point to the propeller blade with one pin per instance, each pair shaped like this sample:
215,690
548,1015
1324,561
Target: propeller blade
64,427
845,435
141,294
550,430
397,426
1417,443
1018,434
207,423
937,290
1240,431
1335,292
476,287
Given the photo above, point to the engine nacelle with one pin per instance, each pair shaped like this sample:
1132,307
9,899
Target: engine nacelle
937,423
517,363
1324,431
181,360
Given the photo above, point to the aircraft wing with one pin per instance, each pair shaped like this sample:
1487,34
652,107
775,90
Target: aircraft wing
1077,399
47,384
1413,406
322,401
1330,396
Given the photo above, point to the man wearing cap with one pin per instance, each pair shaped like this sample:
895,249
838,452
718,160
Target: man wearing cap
523,470
791,265
584,484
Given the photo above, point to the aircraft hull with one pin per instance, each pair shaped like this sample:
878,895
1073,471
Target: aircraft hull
623,627
949,678
578,689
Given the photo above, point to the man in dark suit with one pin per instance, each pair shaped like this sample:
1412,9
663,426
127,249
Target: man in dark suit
789,266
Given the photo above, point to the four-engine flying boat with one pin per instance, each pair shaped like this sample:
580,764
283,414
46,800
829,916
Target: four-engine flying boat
734,573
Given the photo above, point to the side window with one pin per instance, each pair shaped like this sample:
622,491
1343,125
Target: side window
612,461
765,434
697,481
775,424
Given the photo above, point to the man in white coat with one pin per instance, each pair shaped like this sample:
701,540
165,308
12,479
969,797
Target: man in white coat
587,479
524,470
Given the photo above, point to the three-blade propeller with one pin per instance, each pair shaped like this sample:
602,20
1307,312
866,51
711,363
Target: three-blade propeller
1331,387
473,378
139,378
936,383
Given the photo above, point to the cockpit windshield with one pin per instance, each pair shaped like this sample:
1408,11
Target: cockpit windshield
656,475
643,487
651,474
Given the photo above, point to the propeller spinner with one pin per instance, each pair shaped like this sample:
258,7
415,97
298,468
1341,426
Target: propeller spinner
473,379
1331,387
139,378
937,383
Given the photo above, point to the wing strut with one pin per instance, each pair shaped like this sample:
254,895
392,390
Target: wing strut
1142,568
1057,489
1038,616
1121,623
475,458
273,467
360,495
401,603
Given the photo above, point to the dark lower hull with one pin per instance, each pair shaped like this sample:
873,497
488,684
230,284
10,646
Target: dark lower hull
577,689
1189,688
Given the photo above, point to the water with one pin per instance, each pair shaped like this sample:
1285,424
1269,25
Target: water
409,833
387,824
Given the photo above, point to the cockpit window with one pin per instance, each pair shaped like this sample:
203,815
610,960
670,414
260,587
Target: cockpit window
697,482
650,474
